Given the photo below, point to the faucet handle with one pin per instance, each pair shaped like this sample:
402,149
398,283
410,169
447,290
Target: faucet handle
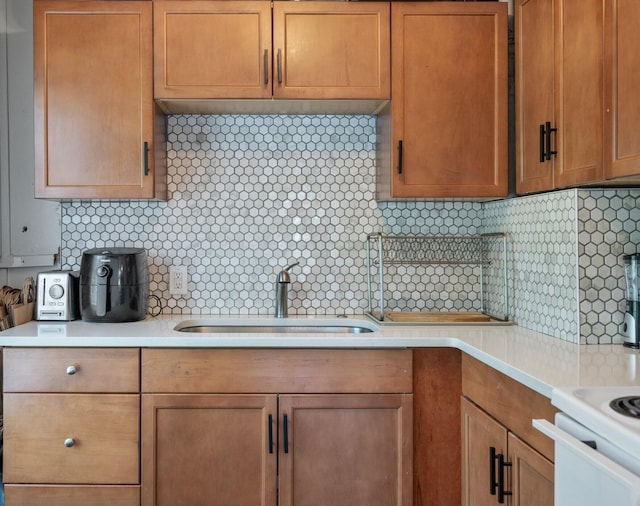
283,276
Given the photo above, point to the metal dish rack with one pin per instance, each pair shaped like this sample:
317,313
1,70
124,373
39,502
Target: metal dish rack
487,252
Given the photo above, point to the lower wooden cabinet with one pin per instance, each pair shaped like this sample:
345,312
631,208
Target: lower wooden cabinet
272,434
436,417
267,427
95,427
504,459
345,449
532,474
321,449
71,426
230,433
498,467
483,439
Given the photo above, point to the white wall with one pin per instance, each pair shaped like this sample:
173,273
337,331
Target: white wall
29,228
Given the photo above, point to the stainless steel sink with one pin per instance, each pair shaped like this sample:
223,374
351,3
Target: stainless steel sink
276,326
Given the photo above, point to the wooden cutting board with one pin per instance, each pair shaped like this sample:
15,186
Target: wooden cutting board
436,316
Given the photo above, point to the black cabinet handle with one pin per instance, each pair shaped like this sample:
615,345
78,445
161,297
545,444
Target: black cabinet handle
266,66
501,491
493,484
399,157
545,142
548,143
285,430
145,156
270,433
279,60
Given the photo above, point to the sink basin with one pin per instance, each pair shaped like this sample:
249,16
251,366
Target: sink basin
276,326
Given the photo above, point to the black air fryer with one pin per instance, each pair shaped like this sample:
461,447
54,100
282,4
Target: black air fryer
114,285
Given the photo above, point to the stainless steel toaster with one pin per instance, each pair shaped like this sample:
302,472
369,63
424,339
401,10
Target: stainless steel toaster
57,296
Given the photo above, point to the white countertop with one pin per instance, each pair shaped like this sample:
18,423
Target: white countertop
536,360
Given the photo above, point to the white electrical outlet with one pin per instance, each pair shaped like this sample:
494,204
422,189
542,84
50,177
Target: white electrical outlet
178,279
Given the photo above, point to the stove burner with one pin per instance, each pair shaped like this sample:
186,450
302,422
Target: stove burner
628,406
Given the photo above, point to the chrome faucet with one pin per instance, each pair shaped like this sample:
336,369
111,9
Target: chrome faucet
282,292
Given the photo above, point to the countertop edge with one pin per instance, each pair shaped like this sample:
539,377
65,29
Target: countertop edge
536,360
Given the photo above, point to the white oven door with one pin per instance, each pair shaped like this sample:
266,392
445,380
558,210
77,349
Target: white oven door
584,476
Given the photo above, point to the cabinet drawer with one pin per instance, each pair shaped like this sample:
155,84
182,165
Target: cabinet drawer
71,370
63,495
276,371
71,438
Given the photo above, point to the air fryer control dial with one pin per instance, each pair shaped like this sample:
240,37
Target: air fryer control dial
56,291
103,271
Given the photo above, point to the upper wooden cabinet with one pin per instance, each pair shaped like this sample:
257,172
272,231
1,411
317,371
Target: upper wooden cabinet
207,49
97,131
559,93
223,49
576,92
331,50
622,82
445,132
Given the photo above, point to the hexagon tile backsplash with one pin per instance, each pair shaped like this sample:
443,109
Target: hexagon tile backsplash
251,194
608,228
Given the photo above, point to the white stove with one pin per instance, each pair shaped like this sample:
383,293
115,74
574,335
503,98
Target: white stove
591,407
597,447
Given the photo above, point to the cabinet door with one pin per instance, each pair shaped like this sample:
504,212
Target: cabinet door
622,104
480,433
331,50
209,449
535,32
532,475
346,449
579,91
207,49
94,113
449,68
560,86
